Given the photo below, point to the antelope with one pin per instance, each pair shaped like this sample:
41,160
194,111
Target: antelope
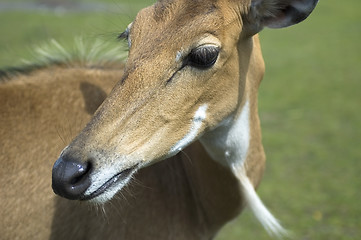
175,150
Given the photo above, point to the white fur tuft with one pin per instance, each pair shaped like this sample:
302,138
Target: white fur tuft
263,215
228,144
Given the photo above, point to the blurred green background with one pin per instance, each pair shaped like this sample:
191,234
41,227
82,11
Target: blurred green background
310,105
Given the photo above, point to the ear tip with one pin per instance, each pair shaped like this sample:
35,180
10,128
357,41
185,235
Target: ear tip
296,12
278,13
313,5
305,11
306,6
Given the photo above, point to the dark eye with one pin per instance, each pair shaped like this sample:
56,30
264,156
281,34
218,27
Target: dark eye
203,57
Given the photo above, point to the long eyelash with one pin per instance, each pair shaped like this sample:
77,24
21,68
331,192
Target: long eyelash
202,57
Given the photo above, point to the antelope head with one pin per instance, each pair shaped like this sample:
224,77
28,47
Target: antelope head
193,66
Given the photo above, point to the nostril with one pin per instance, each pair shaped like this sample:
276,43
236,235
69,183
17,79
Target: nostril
83,172
70,177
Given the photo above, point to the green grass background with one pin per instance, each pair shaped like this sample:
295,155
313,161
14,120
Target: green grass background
310,108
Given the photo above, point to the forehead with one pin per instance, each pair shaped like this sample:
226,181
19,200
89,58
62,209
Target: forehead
183,19
165,8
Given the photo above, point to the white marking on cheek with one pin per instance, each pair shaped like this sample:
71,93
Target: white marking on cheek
197,122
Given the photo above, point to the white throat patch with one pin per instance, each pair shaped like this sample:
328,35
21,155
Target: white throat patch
228,144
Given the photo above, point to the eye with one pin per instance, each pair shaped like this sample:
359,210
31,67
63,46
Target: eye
203,57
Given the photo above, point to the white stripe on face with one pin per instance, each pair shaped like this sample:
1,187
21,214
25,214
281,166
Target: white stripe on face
197,122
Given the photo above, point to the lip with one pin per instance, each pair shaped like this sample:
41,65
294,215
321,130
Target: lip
111,182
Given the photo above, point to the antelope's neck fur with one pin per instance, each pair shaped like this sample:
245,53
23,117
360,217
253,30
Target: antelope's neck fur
228,144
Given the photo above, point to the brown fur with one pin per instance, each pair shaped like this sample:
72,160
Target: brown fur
40,112
45,109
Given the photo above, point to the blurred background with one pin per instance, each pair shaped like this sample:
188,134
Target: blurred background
309,104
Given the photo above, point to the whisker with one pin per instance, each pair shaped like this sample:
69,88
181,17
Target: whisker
60,135
187,156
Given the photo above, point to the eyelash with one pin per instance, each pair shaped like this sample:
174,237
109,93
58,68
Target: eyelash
202,57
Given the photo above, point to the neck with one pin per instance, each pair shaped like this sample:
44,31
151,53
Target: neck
236,142
228,144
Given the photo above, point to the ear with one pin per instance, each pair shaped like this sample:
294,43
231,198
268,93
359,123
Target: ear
277,13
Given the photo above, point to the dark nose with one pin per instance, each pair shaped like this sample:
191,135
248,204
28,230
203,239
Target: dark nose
70,177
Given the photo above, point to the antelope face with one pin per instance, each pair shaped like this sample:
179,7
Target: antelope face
185,73
181,78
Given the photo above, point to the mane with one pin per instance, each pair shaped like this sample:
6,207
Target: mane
99,54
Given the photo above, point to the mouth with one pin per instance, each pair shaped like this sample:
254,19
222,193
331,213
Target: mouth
112,185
